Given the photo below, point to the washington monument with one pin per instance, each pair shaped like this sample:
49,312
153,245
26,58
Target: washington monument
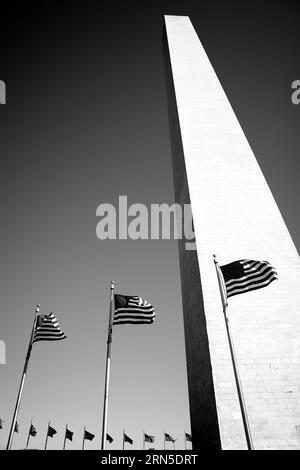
236,217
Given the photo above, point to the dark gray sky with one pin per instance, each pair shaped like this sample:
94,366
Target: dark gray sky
86,121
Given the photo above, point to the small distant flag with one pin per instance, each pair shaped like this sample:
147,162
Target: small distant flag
1,423
69,434
88,436
51,431
127,439
188,437
47,329
109,438
169,438
149,438
16,427
132,309
246,275
32,431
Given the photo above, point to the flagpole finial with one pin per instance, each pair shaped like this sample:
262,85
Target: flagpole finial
215,258
38,308
112,284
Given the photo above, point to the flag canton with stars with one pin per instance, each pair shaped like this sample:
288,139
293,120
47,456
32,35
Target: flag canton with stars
246,275
132,309
233,270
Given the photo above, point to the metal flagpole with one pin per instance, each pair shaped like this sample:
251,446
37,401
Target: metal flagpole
83,438
184,441
123,438
47,436
107,370
222,288
65,437
144,440
17,406
28,435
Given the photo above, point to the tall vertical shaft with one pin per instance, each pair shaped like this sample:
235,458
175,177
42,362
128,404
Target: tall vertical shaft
235,215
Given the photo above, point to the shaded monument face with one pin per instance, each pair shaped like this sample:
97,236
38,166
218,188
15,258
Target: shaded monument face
236,217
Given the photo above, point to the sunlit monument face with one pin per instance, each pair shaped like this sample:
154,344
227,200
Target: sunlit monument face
236,217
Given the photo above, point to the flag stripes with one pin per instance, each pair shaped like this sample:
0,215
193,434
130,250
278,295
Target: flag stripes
132,309
246,275
47,329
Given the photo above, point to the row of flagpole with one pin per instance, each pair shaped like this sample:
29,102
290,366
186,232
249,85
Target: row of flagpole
248,270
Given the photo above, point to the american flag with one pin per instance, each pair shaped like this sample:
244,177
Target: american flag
169,438
51,431
47,329
69,434
132,309
149,438
246,275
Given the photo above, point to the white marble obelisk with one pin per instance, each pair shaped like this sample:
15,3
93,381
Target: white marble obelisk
236,217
